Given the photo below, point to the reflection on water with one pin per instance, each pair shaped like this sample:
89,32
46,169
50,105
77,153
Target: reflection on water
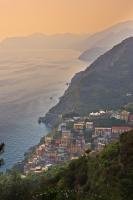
27,81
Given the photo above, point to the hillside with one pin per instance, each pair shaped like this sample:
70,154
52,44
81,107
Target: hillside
107,175
99,43
103,85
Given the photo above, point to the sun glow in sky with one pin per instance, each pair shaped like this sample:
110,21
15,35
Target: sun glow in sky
23,17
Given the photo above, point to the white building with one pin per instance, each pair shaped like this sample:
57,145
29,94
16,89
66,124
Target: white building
89,125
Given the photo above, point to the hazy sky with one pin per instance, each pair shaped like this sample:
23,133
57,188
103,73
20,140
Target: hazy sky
22,17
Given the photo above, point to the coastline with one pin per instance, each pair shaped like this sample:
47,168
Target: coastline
20,165
19,127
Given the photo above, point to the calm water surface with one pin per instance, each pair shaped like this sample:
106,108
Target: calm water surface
27,81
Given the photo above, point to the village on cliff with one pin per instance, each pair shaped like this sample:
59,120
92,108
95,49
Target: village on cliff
75,135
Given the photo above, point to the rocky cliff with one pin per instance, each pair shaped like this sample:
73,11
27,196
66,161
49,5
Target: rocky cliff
106,84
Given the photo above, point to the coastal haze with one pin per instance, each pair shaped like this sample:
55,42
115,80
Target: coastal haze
99,43
66,99
28,80
19,17
34,72
36,63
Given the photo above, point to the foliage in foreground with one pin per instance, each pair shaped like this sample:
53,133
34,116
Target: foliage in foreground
104,176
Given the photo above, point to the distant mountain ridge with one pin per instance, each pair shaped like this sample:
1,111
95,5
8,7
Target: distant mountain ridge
92,46
100,42
41,41
103,85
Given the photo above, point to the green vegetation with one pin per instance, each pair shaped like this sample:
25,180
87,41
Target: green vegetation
108,122
129,107
97,176
71,115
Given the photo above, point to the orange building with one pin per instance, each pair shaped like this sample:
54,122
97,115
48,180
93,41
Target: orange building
79,126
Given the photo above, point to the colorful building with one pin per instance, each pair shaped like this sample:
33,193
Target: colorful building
102,131
121,129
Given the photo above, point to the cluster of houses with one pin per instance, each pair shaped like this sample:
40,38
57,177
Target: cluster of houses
105,135
71,142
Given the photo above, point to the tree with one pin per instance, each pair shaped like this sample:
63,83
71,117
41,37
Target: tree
2,145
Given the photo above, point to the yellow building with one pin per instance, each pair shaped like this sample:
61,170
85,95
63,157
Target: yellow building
124,115
79,126
48,139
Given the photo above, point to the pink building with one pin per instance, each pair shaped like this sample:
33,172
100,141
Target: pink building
130,119
121,129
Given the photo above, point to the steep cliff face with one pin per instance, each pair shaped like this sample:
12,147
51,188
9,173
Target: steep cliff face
106,84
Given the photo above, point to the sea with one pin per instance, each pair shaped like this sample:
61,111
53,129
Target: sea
31,82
